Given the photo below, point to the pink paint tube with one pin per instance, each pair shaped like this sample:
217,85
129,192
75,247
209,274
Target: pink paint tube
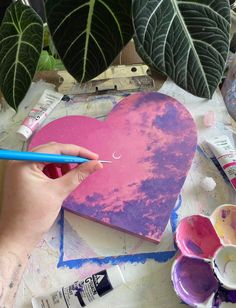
225,153
47,102
83,293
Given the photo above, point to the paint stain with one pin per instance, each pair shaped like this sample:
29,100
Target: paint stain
219,228
224,213
194,247
224,296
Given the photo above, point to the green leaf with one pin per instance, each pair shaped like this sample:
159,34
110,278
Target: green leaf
186,40
88,35
46,36
21,36
48,62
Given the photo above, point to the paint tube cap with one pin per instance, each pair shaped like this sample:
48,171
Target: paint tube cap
24,132
115,276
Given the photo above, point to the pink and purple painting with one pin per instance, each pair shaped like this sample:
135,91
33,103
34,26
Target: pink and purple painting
151,140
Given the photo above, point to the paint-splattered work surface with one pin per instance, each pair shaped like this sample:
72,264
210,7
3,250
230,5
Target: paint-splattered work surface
76,247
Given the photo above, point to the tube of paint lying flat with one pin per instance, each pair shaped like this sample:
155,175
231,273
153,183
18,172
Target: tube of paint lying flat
81,294
47,102
225,153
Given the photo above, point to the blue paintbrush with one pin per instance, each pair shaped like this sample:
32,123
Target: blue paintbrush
44,157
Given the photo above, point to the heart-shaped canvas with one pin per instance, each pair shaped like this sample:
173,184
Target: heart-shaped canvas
151,140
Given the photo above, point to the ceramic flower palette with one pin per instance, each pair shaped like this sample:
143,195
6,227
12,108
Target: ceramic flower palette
204,275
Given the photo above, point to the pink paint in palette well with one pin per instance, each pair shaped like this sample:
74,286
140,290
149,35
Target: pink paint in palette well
151,140
196,237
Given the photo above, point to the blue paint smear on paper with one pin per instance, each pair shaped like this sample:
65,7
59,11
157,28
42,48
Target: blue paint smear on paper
61,248
174,218
200,151
160,257
174,215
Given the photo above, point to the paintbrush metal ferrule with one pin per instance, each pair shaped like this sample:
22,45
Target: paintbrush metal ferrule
105,161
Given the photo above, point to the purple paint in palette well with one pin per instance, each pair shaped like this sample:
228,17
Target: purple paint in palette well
194,248
193,280
155,137
224,214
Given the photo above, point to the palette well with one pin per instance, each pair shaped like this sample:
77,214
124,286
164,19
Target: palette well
196,237
205,273
151,139
224,264
224,221
194,280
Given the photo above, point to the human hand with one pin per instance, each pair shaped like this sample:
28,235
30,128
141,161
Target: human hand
32,201
30,205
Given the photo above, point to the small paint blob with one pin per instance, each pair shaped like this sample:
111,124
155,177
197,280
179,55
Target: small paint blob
196,237
209,119
224,264
224,221
193,280
224,214
208,184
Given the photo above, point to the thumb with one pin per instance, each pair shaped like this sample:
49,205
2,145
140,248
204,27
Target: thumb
71,180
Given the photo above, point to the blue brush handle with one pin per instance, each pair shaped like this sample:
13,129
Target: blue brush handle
42,157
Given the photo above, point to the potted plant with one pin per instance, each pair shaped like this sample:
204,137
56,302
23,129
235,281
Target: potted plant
186,40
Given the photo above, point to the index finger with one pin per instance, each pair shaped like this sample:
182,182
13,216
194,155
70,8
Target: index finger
65,149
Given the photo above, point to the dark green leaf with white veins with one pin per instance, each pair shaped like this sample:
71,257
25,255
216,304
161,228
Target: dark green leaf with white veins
187,40
89,34
21,36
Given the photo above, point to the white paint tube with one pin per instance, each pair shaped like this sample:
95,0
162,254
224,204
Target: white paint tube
47,102
81,294
225,153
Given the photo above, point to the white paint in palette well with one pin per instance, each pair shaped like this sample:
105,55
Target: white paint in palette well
224,264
